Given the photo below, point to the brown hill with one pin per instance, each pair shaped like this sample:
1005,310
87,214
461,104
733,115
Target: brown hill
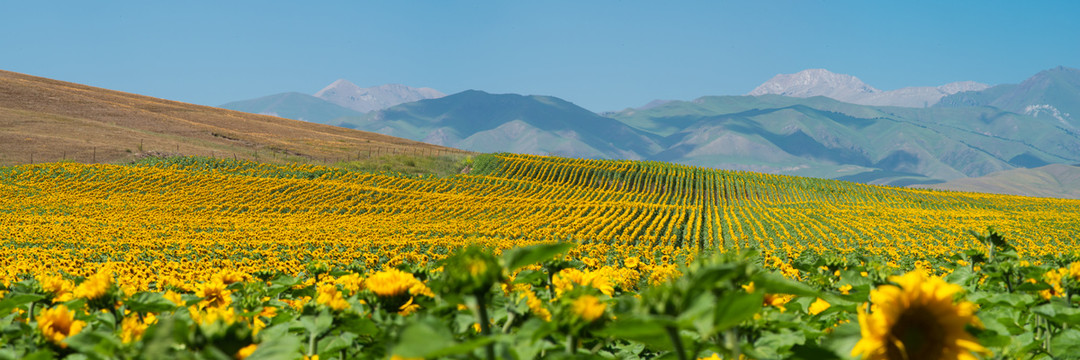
43,120
1056,181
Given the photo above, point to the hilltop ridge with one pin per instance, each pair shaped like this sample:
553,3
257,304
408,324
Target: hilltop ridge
51,120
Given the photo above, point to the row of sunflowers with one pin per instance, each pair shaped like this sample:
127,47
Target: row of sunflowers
537,302
203,258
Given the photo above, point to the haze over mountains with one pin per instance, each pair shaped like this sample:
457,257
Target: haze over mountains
340,98
812,123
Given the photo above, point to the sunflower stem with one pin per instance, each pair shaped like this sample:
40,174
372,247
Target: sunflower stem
673,333
571,344
509,321
485,327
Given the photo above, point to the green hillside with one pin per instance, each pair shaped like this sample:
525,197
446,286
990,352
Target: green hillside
821,137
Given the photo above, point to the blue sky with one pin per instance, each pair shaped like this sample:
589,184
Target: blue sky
602,55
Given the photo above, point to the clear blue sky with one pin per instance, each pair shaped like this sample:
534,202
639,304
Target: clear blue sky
602,55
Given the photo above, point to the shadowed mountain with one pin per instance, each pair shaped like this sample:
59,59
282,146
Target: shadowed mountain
1053,94
822,137
479,121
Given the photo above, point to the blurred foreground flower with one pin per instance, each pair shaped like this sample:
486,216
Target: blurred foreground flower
58,323
917,320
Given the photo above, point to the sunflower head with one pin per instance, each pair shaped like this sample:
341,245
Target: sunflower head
330,296
214,294
390,283
917,319
588,308
57,323
94,286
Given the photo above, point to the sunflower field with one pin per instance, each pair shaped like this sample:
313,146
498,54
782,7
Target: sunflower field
523,257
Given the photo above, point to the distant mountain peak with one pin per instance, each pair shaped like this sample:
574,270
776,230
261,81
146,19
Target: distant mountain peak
346,94
848,88
814,82
339,85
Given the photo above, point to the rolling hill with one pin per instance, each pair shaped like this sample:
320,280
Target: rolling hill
50,120
1056,181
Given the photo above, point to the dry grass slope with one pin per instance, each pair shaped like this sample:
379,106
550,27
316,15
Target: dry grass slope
44,120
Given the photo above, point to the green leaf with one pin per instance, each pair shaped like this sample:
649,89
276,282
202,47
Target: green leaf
461,348
317,324
772,345
1058,313
843,339
736,307
1026,286
647,331
524,346
811,351
361,326
285,280
421,339
516,258
531,277
149,302
776,284
283,346
96,344
333,344
1066,345
160,339
12,301
43,354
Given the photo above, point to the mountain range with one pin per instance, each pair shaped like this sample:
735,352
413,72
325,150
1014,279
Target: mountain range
812,123
339,99
847,88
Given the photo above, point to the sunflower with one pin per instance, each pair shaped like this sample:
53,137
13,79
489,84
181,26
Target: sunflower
58,323
390,283
330,296
214,294
94,287
588,308
245,352
917,320
132,328
818,306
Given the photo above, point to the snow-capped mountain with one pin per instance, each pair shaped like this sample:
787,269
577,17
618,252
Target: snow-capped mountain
847,88
349,95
